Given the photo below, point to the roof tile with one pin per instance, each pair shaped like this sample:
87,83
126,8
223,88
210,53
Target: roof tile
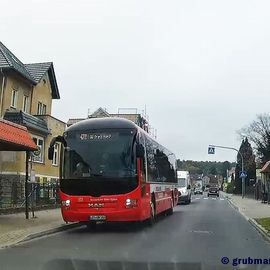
266,167
37,70
9,60
33,72
14,137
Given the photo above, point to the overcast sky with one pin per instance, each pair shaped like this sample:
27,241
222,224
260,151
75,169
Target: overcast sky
201,67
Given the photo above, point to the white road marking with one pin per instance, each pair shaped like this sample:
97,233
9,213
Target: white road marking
205,198
204,232
214,198
222,199
197,198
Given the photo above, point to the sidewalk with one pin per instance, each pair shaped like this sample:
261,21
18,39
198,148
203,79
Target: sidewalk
251,209
15,228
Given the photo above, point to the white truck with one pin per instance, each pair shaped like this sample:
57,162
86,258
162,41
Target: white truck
198,187
184,188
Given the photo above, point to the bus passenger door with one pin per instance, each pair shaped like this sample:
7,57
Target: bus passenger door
144,192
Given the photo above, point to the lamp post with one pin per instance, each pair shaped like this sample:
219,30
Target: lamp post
242,164
26,184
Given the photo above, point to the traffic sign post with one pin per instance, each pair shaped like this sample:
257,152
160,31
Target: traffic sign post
243,175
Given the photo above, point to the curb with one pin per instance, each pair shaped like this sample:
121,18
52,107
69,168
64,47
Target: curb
50,231
260,229
252,221
43,233
235,206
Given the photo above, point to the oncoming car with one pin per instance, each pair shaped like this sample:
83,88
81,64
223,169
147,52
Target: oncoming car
213,191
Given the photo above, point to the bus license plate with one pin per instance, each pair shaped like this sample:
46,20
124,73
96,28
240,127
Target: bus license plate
98,218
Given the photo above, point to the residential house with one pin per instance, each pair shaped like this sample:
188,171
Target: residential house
231,175
137,118
26,95
265,182
206,180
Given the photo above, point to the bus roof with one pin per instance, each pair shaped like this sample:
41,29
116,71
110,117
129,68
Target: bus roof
100,123
108,123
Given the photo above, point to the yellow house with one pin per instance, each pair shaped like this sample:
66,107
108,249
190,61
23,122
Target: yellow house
26,94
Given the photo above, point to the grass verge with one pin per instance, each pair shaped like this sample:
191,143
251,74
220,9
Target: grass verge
265,222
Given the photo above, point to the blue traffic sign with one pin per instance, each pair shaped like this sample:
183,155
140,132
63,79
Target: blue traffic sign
211,150
243,174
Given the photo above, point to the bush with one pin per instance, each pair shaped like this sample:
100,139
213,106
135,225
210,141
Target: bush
230,188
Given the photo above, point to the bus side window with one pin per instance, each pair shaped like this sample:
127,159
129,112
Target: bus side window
142,160
143,168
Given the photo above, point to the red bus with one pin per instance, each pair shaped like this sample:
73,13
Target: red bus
112,170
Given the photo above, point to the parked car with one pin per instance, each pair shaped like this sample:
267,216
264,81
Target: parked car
213,191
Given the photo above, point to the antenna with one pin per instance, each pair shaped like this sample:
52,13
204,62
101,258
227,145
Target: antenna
145,109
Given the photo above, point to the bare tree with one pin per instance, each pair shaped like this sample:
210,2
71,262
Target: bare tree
258,132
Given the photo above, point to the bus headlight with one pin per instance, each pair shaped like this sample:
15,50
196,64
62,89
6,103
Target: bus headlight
130,203
66,203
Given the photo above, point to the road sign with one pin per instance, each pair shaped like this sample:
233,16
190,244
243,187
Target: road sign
211,150
37,152
243,174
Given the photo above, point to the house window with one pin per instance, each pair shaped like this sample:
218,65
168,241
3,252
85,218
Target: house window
56,155
14,98
41,108
25,103
38,156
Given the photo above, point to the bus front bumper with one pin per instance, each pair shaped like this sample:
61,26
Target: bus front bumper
133,214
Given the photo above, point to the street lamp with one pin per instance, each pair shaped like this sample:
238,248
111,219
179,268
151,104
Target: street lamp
242,163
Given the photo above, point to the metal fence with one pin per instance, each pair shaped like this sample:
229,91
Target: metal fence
43,194
12,192
259,191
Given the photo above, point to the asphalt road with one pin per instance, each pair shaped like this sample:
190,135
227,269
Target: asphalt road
196,236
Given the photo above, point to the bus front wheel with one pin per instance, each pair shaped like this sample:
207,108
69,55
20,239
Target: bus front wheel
170,210
151,220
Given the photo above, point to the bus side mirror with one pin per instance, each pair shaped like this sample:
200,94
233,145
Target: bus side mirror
53,141
139,151
50,152
188,187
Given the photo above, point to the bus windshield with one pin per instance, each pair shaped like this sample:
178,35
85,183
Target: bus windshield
106,153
